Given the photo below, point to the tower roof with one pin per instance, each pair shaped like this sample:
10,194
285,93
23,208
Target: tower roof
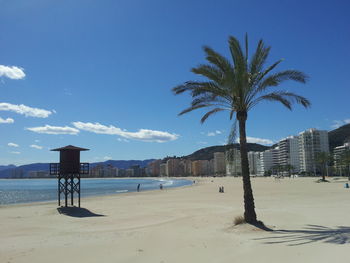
70,148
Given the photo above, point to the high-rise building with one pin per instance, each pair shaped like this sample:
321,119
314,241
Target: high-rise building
186,167
173,167
288,153
200,168
267,160
337,155
219,164
153,168
162,169
233,162
254,162
311,142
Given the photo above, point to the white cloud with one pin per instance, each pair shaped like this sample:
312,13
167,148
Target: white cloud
214,133
122,140
12,72
36,146
25,110
257,140
107,158
16,152
142,134
202,142
8,120
11,144
337,123
36,140
47,129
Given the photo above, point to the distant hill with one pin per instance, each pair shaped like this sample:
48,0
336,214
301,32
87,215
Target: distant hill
9,171
208,152
339,136
124,164
4,167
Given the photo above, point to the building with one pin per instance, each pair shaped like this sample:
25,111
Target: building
137,170
129,172
153,168
337,155
254,162
186,167
233,162
38,174
173,167
219,164
288,153
200,168
267,159
311,142
162,169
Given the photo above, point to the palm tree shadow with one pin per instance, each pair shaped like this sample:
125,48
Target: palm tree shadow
76,212
310,234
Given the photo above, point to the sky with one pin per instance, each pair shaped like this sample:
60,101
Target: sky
99,74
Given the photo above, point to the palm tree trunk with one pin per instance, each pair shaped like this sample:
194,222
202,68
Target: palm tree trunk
249,207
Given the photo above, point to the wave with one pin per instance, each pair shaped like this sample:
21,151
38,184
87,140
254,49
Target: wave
121,191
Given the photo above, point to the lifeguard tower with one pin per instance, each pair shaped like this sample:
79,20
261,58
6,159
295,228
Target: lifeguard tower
68,172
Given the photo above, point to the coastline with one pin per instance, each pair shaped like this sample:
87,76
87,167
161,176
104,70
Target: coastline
177,182
186,224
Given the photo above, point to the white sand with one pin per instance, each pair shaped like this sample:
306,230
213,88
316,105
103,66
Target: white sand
189,224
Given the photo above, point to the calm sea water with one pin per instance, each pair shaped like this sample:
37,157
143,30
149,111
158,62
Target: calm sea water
13,191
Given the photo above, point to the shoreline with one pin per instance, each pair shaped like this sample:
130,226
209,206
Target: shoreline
102,195
187,224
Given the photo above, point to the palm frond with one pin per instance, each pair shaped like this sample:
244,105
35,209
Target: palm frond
194,108
233,133
237,54
259,58
246,49
276,79
218,60
286,98
209,113
211,72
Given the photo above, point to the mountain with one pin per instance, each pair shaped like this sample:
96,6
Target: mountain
4,167
208,152
124,164
339,136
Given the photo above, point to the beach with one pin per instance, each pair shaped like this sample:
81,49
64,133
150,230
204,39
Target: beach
309,223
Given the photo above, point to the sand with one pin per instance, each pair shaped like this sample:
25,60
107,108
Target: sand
310,223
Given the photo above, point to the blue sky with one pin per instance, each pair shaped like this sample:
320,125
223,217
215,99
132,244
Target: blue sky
100,73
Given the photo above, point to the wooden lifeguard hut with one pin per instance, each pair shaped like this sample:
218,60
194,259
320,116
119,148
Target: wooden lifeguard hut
68,172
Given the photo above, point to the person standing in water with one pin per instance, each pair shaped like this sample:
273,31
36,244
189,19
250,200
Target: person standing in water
138,187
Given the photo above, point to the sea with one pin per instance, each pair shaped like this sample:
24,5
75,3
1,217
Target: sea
15,191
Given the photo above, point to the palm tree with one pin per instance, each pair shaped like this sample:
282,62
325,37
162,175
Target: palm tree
289,168
323,159
237,87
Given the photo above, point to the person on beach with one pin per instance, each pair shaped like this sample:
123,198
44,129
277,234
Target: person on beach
138,187
161,187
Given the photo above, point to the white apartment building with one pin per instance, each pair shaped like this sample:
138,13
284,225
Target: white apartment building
311,142
288,153
337,153
163,169
219,164
267,160
254,163
233,162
